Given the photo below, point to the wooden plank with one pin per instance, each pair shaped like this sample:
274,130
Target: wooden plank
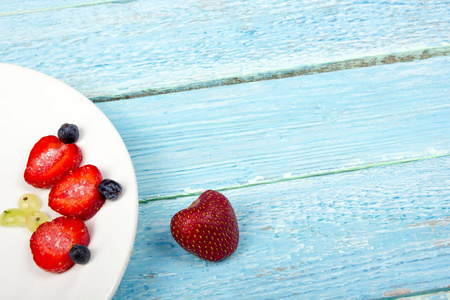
142,47
381,232
231,136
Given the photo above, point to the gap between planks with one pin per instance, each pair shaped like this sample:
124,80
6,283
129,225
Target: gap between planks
31,11
298,177
368,61
422,295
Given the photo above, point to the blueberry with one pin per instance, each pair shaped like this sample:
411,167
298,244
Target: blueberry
109,189
80,254
68,133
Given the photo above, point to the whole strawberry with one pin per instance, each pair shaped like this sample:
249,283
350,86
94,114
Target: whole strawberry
208,228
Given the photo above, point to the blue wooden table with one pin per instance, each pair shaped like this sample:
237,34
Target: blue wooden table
326,124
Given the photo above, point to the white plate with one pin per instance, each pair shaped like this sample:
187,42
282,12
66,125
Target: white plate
33,105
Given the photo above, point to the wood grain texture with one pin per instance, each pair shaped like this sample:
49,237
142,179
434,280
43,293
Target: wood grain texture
374,233
137,47
266,131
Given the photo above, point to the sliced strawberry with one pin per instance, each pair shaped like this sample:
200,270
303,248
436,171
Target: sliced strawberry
76,194
51,242
49,160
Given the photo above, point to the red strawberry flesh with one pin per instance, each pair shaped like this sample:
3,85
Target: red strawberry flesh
208,228
51,242
49,160
76,194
